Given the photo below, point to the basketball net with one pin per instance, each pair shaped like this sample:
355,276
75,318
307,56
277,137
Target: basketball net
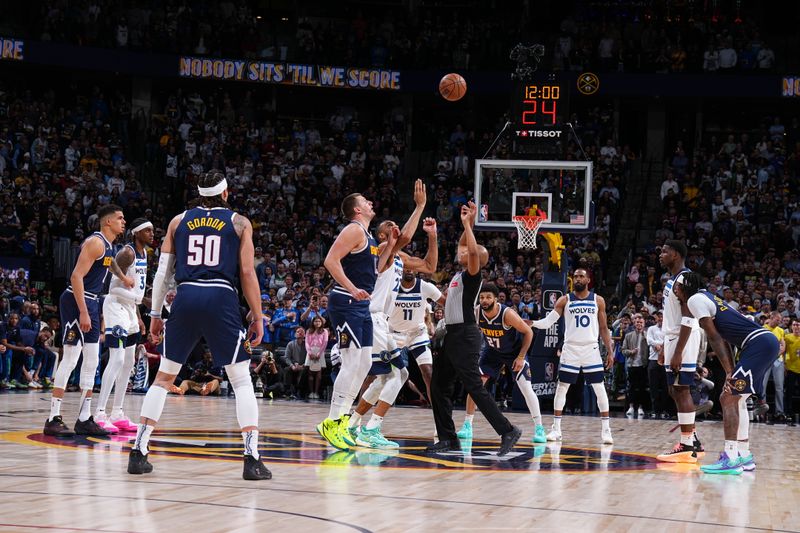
527,228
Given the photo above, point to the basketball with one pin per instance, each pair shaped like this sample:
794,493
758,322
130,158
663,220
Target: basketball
452,87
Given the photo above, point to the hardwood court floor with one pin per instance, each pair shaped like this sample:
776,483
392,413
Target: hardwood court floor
81,485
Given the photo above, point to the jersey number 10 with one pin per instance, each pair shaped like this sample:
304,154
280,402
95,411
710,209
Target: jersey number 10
204,250
582,321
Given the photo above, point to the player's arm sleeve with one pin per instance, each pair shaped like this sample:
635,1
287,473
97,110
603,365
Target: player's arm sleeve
164,276
701,307
430,292
544,323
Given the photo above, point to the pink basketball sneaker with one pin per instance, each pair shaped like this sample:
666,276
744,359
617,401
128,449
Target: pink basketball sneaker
122,422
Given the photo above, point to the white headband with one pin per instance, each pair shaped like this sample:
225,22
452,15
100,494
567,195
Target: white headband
140,227
216,190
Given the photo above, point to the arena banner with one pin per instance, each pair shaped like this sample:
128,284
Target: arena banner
543,353
303,75
12,49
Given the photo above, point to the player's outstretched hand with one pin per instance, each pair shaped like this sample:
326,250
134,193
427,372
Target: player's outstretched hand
429,226
255,332
465,214
420,195
360,295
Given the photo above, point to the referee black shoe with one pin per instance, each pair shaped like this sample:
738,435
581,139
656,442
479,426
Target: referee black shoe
508,440
90,427
254,469
138,463
444,446
57,428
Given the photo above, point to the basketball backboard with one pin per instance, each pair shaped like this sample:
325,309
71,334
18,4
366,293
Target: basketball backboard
559,190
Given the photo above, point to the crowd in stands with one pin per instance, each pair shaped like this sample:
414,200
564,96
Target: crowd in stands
596,37
734,202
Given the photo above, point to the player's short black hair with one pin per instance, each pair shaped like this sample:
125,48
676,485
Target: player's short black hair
692,282
490,287
107,210
678,246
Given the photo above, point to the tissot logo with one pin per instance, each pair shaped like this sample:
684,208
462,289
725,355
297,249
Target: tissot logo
538,133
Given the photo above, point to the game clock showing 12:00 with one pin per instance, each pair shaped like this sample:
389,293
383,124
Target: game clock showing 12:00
539,104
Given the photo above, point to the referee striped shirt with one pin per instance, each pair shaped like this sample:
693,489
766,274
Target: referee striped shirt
462,297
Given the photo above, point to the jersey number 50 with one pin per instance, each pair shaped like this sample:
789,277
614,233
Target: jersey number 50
204,250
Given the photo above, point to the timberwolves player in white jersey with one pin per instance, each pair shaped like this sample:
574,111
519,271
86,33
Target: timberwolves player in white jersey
123,326
681,348
584,315
389,365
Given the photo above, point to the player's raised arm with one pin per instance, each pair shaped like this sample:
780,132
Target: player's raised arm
164,276
351,238
90,252
511,318
248,278
605,334
410,227
429,263
553,316
473,250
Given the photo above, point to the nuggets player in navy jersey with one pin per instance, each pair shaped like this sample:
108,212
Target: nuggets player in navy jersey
759,349
80,318
584,315
123,326
208,249
352,261
506,340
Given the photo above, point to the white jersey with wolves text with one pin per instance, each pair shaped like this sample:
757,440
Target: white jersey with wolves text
581,326
672,306
386,287
138,271
410,306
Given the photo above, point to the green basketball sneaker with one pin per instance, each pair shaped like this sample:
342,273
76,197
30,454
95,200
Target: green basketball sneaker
539,435
747,462
344,431
372,438
329,429
725,465
466,431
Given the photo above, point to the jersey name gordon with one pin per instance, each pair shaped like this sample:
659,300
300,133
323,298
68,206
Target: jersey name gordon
206,222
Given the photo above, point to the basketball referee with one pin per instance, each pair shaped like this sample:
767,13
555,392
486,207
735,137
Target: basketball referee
462,344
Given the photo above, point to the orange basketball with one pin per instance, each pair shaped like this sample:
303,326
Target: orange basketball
452,87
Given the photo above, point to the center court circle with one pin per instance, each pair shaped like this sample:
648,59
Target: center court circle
307,449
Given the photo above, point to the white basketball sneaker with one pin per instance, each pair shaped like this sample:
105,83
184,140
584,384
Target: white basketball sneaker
554,435
606,435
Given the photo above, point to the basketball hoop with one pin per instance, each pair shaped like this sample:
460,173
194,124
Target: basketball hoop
527,228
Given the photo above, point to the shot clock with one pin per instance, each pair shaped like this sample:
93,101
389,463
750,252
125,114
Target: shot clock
539,108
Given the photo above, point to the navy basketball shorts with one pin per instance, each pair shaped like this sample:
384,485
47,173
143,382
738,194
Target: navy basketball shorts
70,320
350,320
491,363
755,360
210,312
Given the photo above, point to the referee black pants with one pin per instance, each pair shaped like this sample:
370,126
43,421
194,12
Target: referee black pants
459,359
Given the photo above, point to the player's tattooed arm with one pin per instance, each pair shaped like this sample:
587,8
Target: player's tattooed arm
239,224
120,264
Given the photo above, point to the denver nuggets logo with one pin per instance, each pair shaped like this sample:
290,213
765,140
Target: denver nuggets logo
287,448
344,340
71,336
740,385
247,347
528,372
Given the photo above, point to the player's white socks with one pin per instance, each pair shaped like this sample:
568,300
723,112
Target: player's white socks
55,408
250,439
115,357
86,409
687,439
143,438
374,422
355,420
557,423
743,446
531,400
123,377
469,418
605,422
731,449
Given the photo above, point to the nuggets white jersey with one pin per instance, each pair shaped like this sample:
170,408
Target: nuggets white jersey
137,271
672,306
410,305
581,326
386,287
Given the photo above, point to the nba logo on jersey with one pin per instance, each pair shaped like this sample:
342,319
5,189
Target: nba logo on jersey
550,298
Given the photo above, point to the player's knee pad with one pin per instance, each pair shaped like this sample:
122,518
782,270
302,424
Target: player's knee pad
373,392
602,396
391,389
89,366
68,362
239,374
169,367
